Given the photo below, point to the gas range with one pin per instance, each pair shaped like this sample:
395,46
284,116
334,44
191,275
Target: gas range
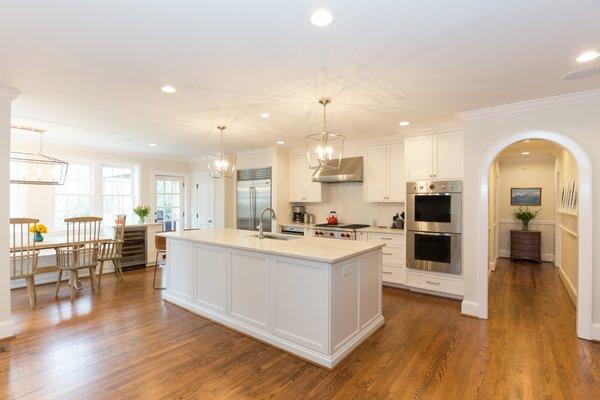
341,231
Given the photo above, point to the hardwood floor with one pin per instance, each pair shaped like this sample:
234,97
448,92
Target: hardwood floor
125,343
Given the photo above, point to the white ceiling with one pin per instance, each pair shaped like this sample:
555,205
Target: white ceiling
537,149
91,71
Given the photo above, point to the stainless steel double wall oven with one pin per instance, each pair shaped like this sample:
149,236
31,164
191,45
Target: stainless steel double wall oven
434,226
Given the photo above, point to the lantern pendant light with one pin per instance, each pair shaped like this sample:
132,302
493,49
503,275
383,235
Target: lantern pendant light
221,164
36,168
324,149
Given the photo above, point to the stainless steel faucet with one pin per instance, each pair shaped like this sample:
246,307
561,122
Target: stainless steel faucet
260,225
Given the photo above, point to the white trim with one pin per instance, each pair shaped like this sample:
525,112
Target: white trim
7,329
9,94
568,231
585,229
530,105
596,332
571,289
470,308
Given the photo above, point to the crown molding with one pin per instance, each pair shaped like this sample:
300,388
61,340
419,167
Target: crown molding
9,94
433,129
530,105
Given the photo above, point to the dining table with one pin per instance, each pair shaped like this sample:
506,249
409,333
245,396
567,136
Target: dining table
51,243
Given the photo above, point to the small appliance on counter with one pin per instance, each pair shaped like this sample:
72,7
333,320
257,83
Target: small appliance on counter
298,214
398,221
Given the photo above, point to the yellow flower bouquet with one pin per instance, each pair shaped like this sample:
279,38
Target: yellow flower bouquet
38,230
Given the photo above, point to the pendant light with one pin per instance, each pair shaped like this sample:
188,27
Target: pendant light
221,164
324,149
36,168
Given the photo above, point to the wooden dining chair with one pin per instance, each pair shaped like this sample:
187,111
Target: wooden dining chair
81,252
160,242
23,255
113,250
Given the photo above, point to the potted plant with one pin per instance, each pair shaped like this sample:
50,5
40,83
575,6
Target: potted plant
38,230
142,212
525,215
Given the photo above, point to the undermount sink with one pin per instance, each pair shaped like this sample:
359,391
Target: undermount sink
276,236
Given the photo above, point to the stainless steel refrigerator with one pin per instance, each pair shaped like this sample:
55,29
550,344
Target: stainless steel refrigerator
253,196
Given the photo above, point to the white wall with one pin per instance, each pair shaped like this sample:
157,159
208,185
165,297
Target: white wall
527,173
6,324
578,119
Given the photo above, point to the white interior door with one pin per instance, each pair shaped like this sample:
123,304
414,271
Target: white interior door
170,202
204,196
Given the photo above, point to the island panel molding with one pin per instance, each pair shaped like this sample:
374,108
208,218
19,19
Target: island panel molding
317,310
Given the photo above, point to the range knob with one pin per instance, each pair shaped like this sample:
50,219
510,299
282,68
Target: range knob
420,187
331,234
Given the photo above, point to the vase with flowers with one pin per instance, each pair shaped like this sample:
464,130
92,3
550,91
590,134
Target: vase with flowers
525,215
142,212
38,230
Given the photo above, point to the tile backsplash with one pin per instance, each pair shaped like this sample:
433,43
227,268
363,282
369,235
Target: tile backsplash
346,199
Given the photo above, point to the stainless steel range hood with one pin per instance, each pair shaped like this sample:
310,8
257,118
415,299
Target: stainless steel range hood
351,170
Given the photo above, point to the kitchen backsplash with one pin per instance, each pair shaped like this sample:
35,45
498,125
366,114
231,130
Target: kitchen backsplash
347,201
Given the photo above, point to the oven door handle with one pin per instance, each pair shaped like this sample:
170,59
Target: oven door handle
434,233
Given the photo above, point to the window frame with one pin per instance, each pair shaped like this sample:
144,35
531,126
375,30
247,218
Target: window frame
135,190
52,222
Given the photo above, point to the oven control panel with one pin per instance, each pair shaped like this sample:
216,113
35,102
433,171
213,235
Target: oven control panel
334,234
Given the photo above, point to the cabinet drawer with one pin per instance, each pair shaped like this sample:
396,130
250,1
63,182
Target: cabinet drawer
393,274
395,255
388,239
434,282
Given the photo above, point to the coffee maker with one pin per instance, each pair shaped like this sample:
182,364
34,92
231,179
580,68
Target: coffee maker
299,212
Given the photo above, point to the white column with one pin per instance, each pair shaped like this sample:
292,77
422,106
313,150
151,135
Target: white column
6,324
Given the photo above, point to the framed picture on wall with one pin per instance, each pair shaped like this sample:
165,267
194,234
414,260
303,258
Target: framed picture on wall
526,196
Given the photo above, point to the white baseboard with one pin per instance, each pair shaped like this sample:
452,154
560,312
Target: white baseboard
596,332
571,289
547,257
7,329
470,308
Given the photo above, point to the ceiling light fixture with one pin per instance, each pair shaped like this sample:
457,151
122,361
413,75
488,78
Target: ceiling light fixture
280,142
265,115
153,144
36,168
220,163
525,153
324,149
404,123
321,18
589,55
168,89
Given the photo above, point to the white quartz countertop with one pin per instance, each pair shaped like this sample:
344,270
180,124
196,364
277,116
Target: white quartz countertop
380,229
308,248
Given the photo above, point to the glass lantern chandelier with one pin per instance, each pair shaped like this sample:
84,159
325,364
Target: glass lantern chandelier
36,168
324,149
221,164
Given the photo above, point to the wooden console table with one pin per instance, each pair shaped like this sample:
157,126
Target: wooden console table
526,245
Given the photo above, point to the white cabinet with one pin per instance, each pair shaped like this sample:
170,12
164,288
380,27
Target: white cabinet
301,188
438,156
393,259
384,173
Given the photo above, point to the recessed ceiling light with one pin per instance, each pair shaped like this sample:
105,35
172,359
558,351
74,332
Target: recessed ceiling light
280,142
168,89
321,18
404,123
152,144
588,56
525,153
265,115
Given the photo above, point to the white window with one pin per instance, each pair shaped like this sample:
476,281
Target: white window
169,201
119,187
17,201
74,198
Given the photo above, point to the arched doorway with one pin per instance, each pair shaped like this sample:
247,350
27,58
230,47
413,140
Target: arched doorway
585,232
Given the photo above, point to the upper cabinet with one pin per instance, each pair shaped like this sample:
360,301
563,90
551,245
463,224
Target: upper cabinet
438,156
384,173
301,188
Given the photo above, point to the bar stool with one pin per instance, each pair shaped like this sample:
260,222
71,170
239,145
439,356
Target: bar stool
160,242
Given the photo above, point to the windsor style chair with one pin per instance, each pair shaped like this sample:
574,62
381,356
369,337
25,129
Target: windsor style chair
23,254
113,250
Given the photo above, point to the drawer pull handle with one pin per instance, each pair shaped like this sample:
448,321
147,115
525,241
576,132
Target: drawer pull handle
387,254
432,282
387,273
384,238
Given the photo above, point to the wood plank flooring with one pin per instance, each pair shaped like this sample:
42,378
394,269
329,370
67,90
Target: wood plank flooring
126,343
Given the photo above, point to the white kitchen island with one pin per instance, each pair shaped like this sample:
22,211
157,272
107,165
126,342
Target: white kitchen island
312,297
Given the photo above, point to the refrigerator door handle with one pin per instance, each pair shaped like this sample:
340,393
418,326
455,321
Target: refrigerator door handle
252,208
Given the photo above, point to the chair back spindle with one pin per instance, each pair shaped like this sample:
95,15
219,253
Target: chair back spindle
23,254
